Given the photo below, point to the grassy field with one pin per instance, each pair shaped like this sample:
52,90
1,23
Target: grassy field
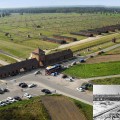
25,110
20,26
7,59
94,70
34,109
107,81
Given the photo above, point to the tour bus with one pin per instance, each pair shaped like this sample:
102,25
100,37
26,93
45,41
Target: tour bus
52,69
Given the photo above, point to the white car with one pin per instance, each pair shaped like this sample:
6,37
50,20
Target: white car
27,95
32,85
69,79
3,103
80,89
11,100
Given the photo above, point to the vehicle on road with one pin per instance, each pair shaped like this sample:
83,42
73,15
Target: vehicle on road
86,86
69,79
4,89
46,91
80,89
32,85
64,76
23,85
52,69
27,95
1,91
17,98
3,103
10,99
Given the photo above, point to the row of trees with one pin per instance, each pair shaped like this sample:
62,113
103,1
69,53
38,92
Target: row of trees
3,14
64,10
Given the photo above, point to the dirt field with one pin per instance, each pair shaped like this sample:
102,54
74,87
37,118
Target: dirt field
60,108
106,58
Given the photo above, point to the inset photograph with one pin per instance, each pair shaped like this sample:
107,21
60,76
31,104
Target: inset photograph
106,102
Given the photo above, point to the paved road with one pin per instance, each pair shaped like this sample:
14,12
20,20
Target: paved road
44,82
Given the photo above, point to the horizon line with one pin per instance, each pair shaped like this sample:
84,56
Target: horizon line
59,6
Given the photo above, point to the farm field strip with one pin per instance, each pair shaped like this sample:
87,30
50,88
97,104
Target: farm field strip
114,51
96,42
98,47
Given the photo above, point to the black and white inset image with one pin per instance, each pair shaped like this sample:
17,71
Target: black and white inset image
106,102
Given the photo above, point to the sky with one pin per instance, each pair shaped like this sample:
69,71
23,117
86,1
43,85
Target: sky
106,89
44,3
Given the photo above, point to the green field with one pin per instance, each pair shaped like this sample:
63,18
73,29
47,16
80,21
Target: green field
107,81
94,70
7,59
20,26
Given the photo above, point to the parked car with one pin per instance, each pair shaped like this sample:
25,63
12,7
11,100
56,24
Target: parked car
3,103
80,89
1,91
17,98
64,76
32,85
23,85
11,99
46,91
27,95
54,74
7,102
86,85
4,89
82,60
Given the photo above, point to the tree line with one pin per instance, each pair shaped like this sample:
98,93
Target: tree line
61,10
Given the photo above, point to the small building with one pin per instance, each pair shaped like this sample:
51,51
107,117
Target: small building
53,58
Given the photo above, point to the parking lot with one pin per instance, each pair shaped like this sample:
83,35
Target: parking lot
56,84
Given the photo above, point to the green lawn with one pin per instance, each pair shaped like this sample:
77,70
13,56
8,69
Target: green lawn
107,81
94,70
7,59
